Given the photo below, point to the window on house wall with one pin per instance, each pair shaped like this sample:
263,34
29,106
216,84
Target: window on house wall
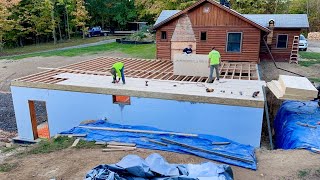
234,41
203,36
121,99
282,41
163,35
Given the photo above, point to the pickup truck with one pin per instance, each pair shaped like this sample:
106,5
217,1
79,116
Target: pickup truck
97,31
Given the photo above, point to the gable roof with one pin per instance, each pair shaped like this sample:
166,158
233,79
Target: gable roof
165,14
281,20
235,13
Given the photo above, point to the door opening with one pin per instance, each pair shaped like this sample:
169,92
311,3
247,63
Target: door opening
39,119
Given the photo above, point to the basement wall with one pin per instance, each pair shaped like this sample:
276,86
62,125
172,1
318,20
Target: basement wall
67,109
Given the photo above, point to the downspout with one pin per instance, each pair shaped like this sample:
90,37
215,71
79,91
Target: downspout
274,62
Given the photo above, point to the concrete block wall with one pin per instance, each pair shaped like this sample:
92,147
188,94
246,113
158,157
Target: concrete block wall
67,109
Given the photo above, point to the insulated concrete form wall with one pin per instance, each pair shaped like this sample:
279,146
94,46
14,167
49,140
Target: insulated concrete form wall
67,109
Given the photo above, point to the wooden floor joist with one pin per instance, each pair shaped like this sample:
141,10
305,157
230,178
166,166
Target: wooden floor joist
140,68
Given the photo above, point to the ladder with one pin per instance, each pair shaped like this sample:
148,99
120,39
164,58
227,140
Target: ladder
295,49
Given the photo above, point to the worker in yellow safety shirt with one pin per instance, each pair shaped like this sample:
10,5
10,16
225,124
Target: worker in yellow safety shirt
118,69
213,63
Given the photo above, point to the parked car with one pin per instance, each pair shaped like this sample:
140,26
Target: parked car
303,43
97,31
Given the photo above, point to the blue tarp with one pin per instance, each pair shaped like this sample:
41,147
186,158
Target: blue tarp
142,141
155,167
291,135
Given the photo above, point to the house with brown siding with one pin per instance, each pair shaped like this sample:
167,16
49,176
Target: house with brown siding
238,37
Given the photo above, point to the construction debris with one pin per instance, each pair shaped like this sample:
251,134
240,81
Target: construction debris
293,88
138,131
306,125
73,135
220,143
120,144
158,142
208,151
75,142
255,94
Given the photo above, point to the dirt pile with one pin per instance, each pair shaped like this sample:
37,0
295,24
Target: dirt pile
314,35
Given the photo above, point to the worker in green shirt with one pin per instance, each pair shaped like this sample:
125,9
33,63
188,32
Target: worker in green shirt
213,63
118,69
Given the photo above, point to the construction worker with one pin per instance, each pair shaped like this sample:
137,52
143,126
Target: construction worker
187,50
213,63
118,69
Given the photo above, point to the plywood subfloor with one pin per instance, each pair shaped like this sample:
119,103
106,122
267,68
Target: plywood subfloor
141,68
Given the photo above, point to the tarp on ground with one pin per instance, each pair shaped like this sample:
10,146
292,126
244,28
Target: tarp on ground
291,135
141,140
155,167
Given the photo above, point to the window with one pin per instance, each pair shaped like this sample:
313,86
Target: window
234,41
163,35
121,99
282,41
203,36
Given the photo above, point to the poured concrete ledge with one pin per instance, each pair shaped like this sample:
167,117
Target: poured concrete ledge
227,92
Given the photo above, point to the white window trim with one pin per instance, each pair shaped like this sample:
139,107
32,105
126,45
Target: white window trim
228,41
278,41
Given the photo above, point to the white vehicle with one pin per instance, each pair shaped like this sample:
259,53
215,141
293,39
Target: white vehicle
303,43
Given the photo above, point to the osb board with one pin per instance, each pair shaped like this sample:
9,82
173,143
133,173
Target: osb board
228,92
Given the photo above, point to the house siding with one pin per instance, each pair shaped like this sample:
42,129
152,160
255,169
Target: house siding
217,23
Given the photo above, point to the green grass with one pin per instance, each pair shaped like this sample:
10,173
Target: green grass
6,167
314,79
310,55
310,58
303,173
5,150
146,51
50,46
48,146
57,144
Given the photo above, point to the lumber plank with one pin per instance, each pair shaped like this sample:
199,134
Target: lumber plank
121,147
112,150
245,160
120,144
74,135
138,131
157,142
100,143
75,142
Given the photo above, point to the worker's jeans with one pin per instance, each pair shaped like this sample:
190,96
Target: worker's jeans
122,76
216,68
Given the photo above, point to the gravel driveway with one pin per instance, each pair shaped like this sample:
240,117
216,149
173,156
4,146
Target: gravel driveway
314,46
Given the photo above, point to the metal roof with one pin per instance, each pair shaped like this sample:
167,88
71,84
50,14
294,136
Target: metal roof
165,14
281,20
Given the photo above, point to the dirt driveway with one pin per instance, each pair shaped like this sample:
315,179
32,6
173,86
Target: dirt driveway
74,164
314,46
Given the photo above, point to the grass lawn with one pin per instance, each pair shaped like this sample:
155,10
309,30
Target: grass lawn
309,58
146,51
50,46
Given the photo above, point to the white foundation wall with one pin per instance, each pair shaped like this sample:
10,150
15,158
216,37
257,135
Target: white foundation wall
67,109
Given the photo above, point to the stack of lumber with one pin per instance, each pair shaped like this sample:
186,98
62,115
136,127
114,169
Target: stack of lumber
293,88
314,35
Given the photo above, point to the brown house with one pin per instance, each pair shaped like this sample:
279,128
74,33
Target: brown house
238,37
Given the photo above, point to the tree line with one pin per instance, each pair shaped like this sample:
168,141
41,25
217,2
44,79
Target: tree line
35,21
